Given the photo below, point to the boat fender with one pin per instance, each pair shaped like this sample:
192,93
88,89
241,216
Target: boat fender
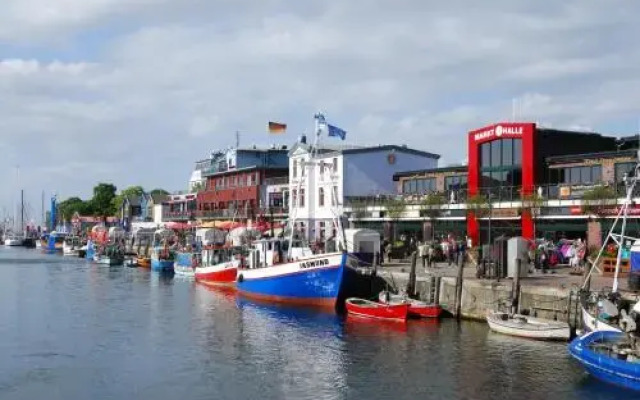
240,278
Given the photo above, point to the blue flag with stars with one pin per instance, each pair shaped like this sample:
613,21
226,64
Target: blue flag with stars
337,132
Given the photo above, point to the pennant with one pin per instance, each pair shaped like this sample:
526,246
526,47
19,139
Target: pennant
276,128
337,132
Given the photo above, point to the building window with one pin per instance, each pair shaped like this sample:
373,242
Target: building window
334,195
295,168
500,164
294,198
301,198
321,197
583,175
406,184
335,165
321,228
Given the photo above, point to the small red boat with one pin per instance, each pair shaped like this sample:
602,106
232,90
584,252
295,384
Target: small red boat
417,308
371,309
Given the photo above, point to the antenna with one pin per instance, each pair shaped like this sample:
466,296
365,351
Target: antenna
513,110
237,140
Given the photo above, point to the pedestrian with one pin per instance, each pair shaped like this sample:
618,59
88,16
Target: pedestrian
462,253
422,253
431,252
445,250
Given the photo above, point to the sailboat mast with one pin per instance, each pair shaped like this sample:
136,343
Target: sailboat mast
22,210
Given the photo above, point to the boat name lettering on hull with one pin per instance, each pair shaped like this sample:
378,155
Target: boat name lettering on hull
314,263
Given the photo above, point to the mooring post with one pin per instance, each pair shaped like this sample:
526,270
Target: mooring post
458,302
515,296
411,285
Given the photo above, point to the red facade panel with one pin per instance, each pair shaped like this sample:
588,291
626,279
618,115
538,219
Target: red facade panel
524,131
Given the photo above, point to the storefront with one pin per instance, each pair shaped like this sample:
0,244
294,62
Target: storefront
510,158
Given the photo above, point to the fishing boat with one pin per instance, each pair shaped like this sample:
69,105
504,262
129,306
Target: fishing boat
371,309
218,267
185,263
600,311
13,240
417,308
143,262
287,270
71,246
604,355
111,255
55,241
528,327
162,257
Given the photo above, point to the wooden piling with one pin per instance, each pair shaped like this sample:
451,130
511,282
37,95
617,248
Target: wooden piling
411,285
458,303
515,291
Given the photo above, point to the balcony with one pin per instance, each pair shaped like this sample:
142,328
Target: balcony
280,180
178,216
241,214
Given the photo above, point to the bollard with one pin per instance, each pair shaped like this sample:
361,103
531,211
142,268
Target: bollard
458,302
515,291
411,285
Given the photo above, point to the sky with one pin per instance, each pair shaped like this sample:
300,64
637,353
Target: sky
133,92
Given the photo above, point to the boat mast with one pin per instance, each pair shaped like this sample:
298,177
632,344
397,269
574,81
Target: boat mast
22,210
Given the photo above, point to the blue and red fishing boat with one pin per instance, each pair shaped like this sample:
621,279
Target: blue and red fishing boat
302,278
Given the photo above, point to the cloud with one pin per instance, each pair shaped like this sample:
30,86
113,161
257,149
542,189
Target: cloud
145,88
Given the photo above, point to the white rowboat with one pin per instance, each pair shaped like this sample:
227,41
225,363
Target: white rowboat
528,327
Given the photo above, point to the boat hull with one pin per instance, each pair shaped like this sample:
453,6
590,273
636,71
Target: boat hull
534,328
592,323
184,264
161,265
382,311
13,242
601,366
418,310
143,262
313,281
224,274
108,261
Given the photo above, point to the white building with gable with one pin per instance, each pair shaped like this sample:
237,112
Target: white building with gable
318,190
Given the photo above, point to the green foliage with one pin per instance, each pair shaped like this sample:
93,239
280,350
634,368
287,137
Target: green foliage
103,199
479,205
67,208
394,208
431,205
157,191
595,200
130,191
532,203
197,187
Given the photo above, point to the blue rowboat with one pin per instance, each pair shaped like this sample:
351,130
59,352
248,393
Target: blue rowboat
593,352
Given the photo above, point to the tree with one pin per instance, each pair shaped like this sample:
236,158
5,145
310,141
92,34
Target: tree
531,203
431,207
158,191
103,199
597,199
394,207
196,187
70,206
130,191
478,205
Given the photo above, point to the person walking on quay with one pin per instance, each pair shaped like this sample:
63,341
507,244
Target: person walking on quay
422,253
461,253
431,253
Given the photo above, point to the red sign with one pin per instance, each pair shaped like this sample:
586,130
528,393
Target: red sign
498,131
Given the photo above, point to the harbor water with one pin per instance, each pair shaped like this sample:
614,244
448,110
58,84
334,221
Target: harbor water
70,329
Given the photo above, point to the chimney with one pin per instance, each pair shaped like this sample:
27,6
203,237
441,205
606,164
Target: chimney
303,139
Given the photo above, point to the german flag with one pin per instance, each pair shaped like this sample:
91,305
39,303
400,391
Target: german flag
277,128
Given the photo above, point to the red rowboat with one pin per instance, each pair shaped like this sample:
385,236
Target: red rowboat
418,309
371,309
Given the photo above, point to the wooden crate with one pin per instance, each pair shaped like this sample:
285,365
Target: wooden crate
608,266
